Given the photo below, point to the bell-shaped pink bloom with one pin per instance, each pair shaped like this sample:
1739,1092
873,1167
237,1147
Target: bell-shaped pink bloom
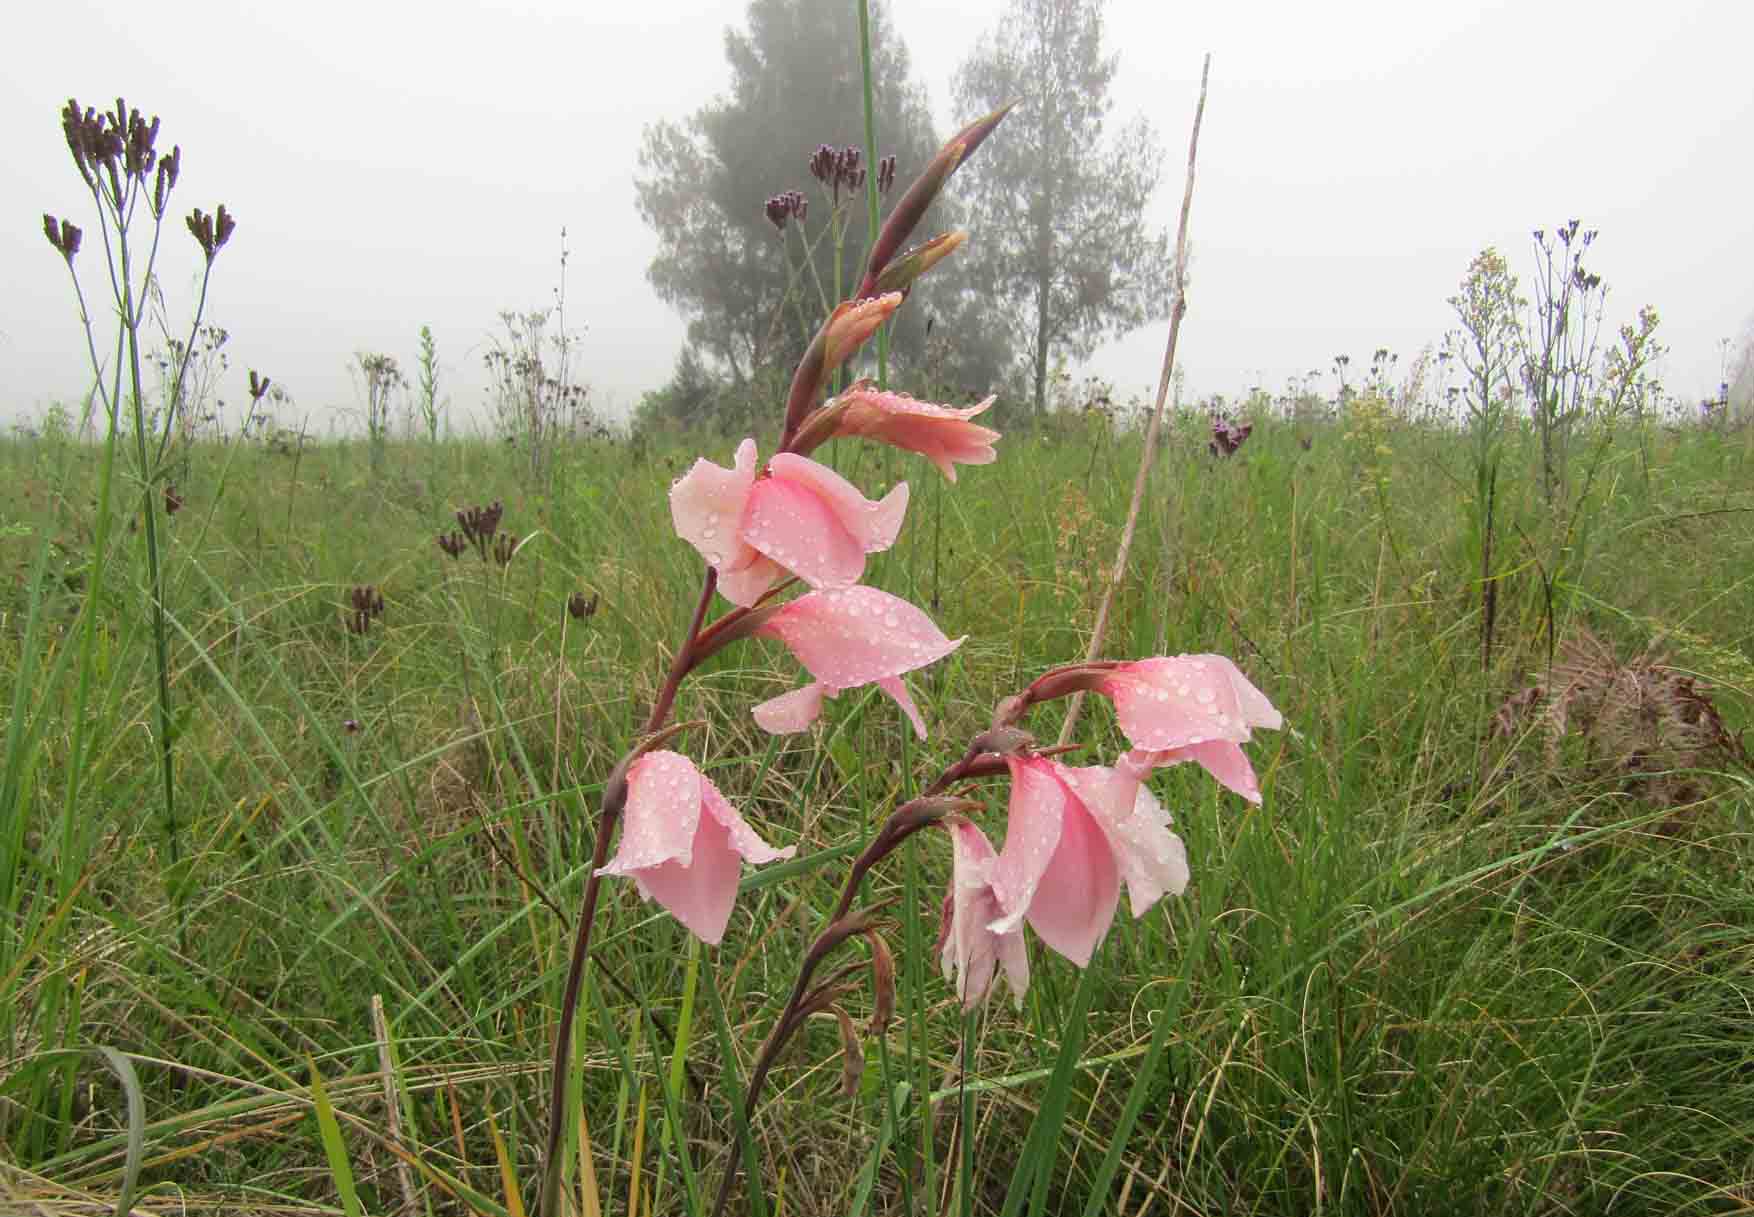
942,434
798,516
847,638
684,844
1191,708
1057,869
1152,860
969,949
1075,835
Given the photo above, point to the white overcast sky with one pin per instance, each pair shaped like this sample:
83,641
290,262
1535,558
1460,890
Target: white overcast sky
400,164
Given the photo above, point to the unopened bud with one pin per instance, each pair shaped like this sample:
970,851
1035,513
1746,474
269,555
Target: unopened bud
900,274
882,983
1004,740
852,1054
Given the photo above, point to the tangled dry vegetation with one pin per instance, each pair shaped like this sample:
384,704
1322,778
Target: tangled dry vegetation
1642,725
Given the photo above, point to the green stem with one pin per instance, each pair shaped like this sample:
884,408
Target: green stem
871,203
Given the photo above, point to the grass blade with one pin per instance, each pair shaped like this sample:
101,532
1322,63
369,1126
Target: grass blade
329,1129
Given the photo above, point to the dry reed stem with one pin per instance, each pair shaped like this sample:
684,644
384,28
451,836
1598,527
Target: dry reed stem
392,1108
1176,310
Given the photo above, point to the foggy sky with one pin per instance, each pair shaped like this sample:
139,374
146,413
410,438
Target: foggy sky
397,164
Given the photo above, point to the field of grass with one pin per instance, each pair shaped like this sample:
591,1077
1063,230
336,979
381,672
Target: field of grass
1439,971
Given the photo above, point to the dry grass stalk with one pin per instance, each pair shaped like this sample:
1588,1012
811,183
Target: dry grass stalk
392,1109
1177,308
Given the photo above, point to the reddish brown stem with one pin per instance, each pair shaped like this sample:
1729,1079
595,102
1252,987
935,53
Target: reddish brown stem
549,1202
898,828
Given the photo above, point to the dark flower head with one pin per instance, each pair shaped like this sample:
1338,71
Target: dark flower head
822,164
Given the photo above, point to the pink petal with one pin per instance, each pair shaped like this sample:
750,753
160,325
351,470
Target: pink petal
1074,903
1033,824
688,862
856,635
1256,710
706,506
893,686
663,809
852,322
750,847
791,524
966,945
942,434
1172,703
875,525
746,584
790,712
1152,860
698,894
1225,761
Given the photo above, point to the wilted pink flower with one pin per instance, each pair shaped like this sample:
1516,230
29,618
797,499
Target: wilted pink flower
1072,838
970,951
846,638
684,844
941,434
798,516
1191,708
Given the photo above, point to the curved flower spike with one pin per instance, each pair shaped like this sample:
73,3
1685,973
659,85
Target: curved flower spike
1191,708
800,517
847,638
968,948
942,434
683,843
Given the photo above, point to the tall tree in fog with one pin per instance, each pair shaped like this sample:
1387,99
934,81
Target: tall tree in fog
703,182
1062,237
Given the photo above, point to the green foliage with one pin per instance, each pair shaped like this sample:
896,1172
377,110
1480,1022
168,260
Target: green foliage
381,380
427,392
1414,981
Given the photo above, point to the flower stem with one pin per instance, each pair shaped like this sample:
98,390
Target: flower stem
549,1202
895,830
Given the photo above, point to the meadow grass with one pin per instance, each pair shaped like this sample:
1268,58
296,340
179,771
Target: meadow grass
1435,972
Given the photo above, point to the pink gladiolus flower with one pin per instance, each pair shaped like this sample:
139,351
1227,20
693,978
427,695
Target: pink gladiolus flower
1074,836
970,951
1191,708
799,516
942,434
846,638
684,844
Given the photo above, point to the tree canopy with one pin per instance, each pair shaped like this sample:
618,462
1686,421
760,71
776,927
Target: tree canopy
704,182
1064,241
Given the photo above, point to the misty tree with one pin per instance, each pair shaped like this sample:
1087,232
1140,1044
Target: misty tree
1061,215
703,184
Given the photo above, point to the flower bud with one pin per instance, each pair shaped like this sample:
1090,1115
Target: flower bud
900,274
882,983
911,208
852,1055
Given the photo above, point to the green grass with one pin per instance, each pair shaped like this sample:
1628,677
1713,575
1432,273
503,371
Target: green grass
1417,980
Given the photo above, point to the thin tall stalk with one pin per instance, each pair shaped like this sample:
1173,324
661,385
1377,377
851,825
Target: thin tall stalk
1177,308
548,1203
